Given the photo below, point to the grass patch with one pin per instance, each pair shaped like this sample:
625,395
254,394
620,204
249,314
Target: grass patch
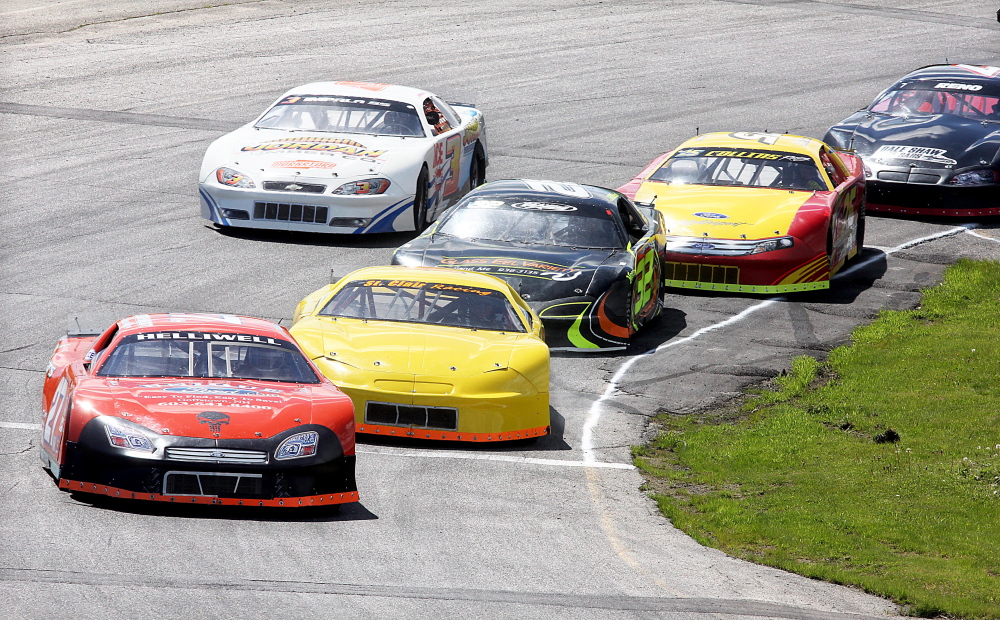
879,468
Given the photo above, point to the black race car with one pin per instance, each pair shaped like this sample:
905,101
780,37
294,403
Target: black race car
585,258
930,142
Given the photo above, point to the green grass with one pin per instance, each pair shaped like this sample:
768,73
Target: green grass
792,475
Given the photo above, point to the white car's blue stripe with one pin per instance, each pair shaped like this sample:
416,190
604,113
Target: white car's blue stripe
387,215
213,206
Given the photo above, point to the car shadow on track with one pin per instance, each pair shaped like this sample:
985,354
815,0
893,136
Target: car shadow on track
373,240
340,512
547,443
664,327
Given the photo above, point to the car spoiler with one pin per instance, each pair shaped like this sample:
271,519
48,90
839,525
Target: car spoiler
461,104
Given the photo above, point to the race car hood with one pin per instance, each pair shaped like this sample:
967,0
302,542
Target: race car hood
309,156
928,140
724,212
407,349
537,273
191,407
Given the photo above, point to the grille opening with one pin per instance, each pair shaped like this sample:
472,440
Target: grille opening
283,186
211,484
285,212
443,418
695,272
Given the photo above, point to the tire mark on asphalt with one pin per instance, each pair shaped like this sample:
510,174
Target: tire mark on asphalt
106,116
892,12
729,607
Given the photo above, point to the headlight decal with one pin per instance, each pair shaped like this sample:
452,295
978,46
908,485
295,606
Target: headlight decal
366,187
128,439
298,446
975,177
233,178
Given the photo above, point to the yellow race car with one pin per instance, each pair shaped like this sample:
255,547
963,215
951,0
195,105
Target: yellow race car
430,353
755,212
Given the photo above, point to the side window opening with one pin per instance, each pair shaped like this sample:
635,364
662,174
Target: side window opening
435,118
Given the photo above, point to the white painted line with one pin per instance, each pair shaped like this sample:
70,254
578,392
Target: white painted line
594,414
974,234
496,457
22,425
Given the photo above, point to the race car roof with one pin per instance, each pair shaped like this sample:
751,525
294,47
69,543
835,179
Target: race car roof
584,197
391,92
758,141
201,322
428,274
975,79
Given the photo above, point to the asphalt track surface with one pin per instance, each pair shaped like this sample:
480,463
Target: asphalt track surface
106,111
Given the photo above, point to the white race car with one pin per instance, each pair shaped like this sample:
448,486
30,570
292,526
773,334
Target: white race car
345,157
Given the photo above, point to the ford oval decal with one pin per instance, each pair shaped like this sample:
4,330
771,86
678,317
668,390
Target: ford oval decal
712,216
703,246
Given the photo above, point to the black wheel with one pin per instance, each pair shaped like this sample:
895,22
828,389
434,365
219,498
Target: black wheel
477,169
420,203
860,234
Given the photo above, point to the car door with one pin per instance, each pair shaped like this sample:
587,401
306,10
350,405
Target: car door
646,246
447,159
845,209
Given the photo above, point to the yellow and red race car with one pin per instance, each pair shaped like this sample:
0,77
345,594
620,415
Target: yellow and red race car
430,353
755,212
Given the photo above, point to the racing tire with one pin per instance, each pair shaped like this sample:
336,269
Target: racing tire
860,236
477,169
420,203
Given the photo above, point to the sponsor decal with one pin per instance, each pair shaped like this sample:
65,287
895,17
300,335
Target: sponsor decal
557,187
744,154
472,132
917,153
430,286
983,70
204,336
763,138
512,266
195,387
712,216
214,419
215,390
365,85
303,164
543,206
314,144
958,86
485,204
332,99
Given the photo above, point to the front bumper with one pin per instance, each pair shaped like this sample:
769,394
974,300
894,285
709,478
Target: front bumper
304,212
780,271
937,199
91,465
450,417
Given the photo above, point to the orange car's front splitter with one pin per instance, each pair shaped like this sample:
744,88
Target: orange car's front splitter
76,486
426,433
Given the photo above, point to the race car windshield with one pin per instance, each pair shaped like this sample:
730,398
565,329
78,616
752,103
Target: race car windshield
741,167
917,101
425,302
343,115
207,356
533,223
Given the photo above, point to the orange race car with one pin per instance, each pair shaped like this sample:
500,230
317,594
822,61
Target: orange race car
196,408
